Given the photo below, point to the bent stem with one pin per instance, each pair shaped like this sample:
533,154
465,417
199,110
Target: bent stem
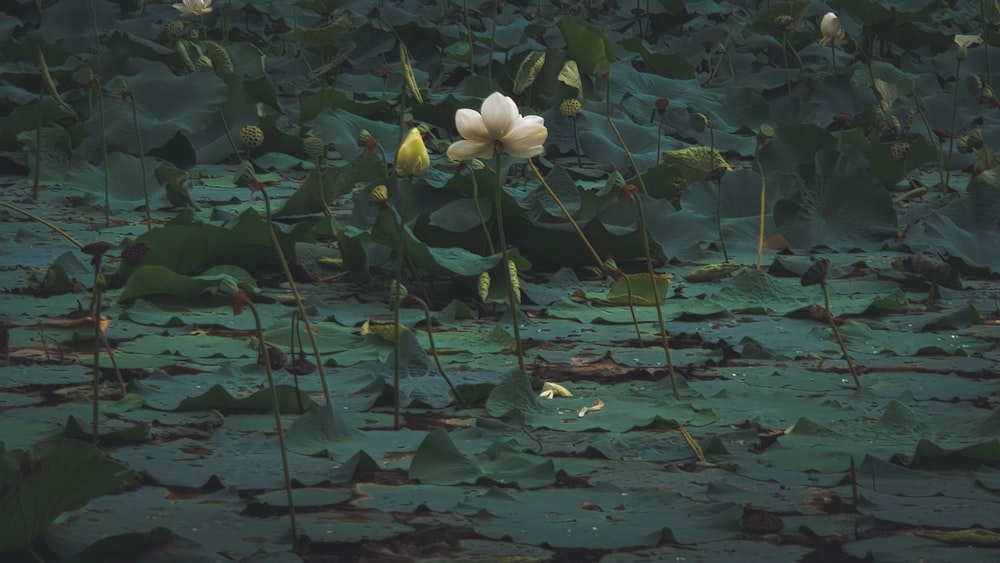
45,222
434,352
515,311
664,335
300,305
277,418
590,247
840,341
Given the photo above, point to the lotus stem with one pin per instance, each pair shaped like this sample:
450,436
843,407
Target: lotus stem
586,242
45,222
836,333
479,213
142,160
763,207
954,122
277,418
95,310
396,301
936,143
664,335
300,305
37,152
434,352
515,312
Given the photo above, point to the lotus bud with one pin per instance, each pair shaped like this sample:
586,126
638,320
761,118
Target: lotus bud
412,158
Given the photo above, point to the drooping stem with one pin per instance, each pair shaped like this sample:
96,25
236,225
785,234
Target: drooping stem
45,222
586,242
515,312
840,341
644,232
277,422
299,303
434,352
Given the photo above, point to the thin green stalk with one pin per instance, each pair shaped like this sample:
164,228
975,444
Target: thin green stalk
142,160
718,202
468,31
479,213
396,301
590,247
36,173
840,341
515,313
96,387
954,123
493,42
96,84
95,81
277,420
664,335
45,222
986,40
936,143
299,303
434,352
763,207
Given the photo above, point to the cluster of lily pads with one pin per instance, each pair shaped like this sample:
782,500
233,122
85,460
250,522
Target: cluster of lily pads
592,148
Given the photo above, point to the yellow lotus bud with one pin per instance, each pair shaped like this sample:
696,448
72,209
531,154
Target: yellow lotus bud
412,158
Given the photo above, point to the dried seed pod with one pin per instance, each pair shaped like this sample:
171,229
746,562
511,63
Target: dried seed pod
899,150
174,28
252,136
570,107
275,357
134,253
314,146
784,21
816,273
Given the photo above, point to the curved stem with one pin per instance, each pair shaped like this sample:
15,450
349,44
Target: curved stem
479,213
298,299
45,222
840,341
142,163
277,422
664,335
515,312
434,352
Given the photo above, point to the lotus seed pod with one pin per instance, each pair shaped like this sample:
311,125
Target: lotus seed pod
221,61
570,107
134,253
899,150
610,268
816,273
174,28
314,147
194,35
251,136
784,21
699,122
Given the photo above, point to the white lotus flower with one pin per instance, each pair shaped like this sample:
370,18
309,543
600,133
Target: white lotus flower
497,128
833,33
194,7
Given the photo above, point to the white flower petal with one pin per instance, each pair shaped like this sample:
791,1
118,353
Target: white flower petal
499,114
467,150
471,126
526,138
